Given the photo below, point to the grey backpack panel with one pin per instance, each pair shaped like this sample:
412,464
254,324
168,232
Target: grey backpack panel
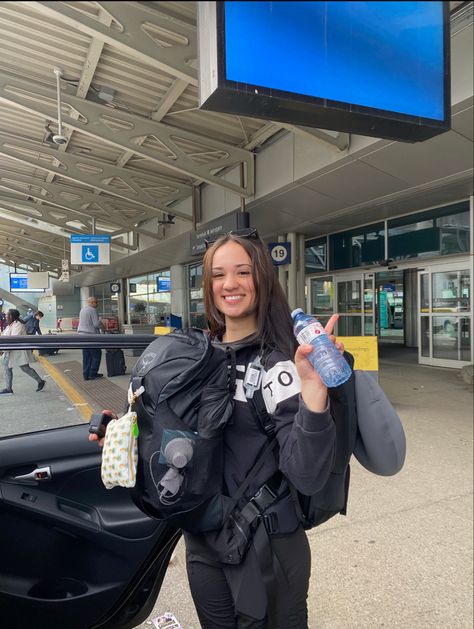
380,443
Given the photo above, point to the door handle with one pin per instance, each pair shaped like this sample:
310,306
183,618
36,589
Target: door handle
32,478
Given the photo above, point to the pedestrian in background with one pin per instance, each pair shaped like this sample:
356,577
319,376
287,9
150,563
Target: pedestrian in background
31,322
19,357
3,320
89,323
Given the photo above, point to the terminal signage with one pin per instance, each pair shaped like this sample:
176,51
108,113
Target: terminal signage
380,69
90,249
280,252
19,284
221,225
163,284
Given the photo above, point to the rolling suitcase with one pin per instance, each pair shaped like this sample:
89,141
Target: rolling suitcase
115,362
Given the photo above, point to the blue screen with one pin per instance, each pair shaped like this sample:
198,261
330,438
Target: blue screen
383,55
164,284
18,282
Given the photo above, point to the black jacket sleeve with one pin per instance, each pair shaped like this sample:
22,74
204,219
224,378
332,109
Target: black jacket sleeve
306,439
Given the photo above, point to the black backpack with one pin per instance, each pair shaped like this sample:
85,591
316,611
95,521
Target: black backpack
187,401
331,499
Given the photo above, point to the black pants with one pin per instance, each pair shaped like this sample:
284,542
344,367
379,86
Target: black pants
90,362
214,601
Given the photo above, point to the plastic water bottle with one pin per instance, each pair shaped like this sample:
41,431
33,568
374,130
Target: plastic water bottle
325,358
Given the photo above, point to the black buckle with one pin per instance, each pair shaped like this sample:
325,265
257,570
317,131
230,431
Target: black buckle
269,428
263,498
270,522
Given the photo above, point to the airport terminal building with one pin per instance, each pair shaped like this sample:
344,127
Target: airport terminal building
378,230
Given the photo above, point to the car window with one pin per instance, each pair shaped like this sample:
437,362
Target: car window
65,398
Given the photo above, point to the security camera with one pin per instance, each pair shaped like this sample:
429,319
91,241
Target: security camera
59,139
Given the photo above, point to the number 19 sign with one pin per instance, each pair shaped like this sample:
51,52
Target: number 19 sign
280,252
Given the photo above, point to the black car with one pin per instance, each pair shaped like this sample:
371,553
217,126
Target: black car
73,555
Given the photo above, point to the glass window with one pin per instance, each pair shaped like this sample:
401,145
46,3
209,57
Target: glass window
441,231
357,247
197,316
349,326
451,291
425,293
322,295
349,298
451,338
425,336
149,301
315,252
107,305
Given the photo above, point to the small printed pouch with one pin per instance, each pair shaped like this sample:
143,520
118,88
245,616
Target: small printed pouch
120,453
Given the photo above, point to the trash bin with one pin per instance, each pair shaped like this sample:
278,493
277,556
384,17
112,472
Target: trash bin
176,322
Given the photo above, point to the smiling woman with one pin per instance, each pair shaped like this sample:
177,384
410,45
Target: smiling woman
248,315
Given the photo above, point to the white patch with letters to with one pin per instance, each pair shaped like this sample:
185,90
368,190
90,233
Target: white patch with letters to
280,383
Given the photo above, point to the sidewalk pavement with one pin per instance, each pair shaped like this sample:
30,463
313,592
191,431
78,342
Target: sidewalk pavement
402,558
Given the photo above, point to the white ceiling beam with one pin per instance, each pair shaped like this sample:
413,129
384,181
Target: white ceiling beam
133,38
81,170
21,214
122,129
24,238
336,139
88,70
20,250
163,108
77,202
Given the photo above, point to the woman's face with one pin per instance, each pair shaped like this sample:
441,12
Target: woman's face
233,288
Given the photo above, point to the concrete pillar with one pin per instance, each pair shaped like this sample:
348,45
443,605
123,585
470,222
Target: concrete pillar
300,277
122,303
292,271
410,310
85,293
282,272
179,293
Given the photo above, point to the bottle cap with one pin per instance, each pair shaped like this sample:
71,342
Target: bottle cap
296,311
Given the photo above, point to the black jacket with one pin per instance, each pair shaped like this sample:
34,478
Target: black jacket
306,440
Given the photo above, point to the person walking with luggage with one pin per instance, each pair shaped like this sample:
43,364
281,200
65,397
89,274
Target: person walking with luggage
89,323
31,322
17,358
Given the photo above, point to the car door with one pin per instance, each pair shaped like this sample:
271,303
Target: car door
73,555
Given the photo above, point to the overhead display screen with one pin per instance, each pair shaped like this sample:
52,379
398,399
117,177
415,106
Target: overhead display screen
375,68
19,284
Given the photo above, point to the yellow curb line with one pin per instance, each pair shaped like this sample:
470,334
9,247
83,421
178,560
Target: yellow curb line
75,397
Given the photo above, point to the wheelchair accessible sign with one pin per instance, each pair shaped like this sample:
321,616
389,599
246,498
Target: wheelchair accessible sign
90,249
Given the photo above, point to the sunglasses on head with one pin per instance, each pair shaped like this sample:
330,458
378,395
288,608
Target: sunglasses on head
245,232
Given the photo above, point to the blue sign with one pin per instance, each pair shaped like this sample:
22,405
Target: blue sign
163,284
280,252
19,282
90,253
389,288
90,239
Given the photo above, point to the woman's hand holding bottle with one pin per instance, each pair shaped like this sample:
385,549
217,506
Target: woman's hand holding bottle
313,390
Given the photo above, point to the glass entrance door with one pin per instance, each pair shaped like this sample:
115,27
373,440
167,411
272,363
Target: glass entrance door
445,315
355,304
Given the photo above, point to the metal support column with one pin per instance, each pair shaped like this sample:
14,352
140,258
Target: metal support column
292,272
300,274
410,307
282,272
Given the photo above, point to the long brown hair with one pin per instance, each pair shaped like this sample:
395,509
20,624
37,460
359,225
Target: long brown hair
274,324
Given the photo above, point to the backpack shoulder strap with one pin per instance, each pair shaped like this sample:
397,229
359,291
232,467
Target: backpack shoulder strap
256,403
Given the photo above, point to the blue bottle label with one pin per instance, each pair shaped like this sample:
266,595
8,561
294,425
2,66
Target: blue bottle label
310,332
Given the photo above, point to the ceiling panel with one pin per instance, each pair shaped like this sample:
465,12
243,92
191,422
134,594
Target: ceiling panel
439,157
356,182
